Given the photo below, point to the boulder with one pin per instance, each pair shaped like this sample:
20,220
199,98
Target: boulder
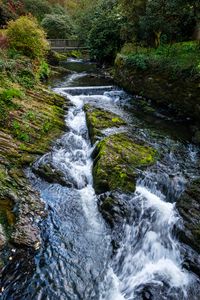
98,119
117,159
49,173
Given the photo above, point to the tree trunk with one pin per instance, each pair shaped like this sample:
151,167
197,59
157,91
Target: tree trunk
157,38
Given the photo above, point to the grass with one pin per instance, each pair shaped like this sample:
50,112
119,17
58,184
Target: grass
179,59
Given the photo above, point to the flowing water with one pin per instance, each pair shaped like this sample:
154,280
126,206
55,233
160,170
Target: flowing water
76,260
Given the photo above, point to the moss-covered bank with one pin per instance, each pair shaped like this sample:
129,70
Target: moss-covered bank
32,121
161,78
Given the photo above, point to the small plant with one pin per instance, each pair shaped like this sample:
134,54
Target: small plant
30,115
26,78
138,61
47,126
8,94
19,133
44,71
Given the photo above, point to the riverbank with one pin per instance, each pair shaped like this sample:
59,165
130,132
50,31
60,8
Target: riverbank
31,117
169,76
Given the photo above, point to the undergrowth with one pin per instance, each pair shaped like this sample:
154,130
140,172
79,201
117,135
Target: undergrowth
179,59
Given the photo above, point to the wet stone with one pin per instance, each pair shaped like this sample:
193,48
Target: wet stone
2,238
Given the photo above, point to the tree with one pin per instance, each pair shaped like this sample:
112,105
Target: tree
57,26
104,37
38,8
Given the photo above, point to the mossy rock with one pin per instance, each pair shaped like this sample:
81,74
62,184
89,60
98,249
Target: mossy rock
117,159
98,119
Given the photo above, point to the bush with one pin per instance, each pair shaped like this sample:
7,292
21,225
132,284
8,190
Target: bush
26,36
57,26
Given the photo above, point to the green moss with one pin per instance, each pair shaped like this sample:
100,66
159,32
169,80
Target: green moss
99,119
116,161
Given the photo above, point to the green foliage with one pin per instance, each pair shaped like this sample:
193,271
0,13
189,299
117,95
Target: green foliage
19,133
47,126
8,94
57,26
104,37
38,8
44,71
6,103
180,59
159,21
26,36
3,113
30,115
26,78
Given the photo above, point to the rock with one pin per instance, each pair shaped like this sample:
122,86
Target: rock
2,238
188,206
99,119
52,175
117,211
117,159
191,259
114,208
26,234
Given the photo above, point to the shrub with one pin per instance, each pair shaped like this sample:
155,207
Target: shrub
26,36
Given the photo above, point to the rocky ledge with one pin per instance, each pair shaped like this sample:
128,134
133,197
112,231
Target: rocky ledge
31,126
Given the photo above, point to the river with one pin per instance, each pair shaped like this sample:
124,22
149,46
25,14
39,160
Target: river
76,259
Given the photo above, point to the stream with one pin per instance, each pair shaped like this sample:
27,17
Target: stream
76,260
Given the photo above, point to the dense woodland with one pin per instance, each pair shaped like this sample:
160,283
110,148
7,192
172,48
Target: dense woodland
105,26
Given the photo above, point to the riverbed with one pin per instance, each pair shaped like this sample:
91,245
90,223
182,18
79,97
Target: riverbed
76,260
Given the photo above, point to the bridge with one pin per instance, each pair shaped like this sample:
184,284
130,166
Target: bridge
62,45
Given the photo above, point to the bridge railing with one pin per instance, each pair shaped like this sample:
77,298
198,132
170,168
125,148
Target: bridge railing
62,43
